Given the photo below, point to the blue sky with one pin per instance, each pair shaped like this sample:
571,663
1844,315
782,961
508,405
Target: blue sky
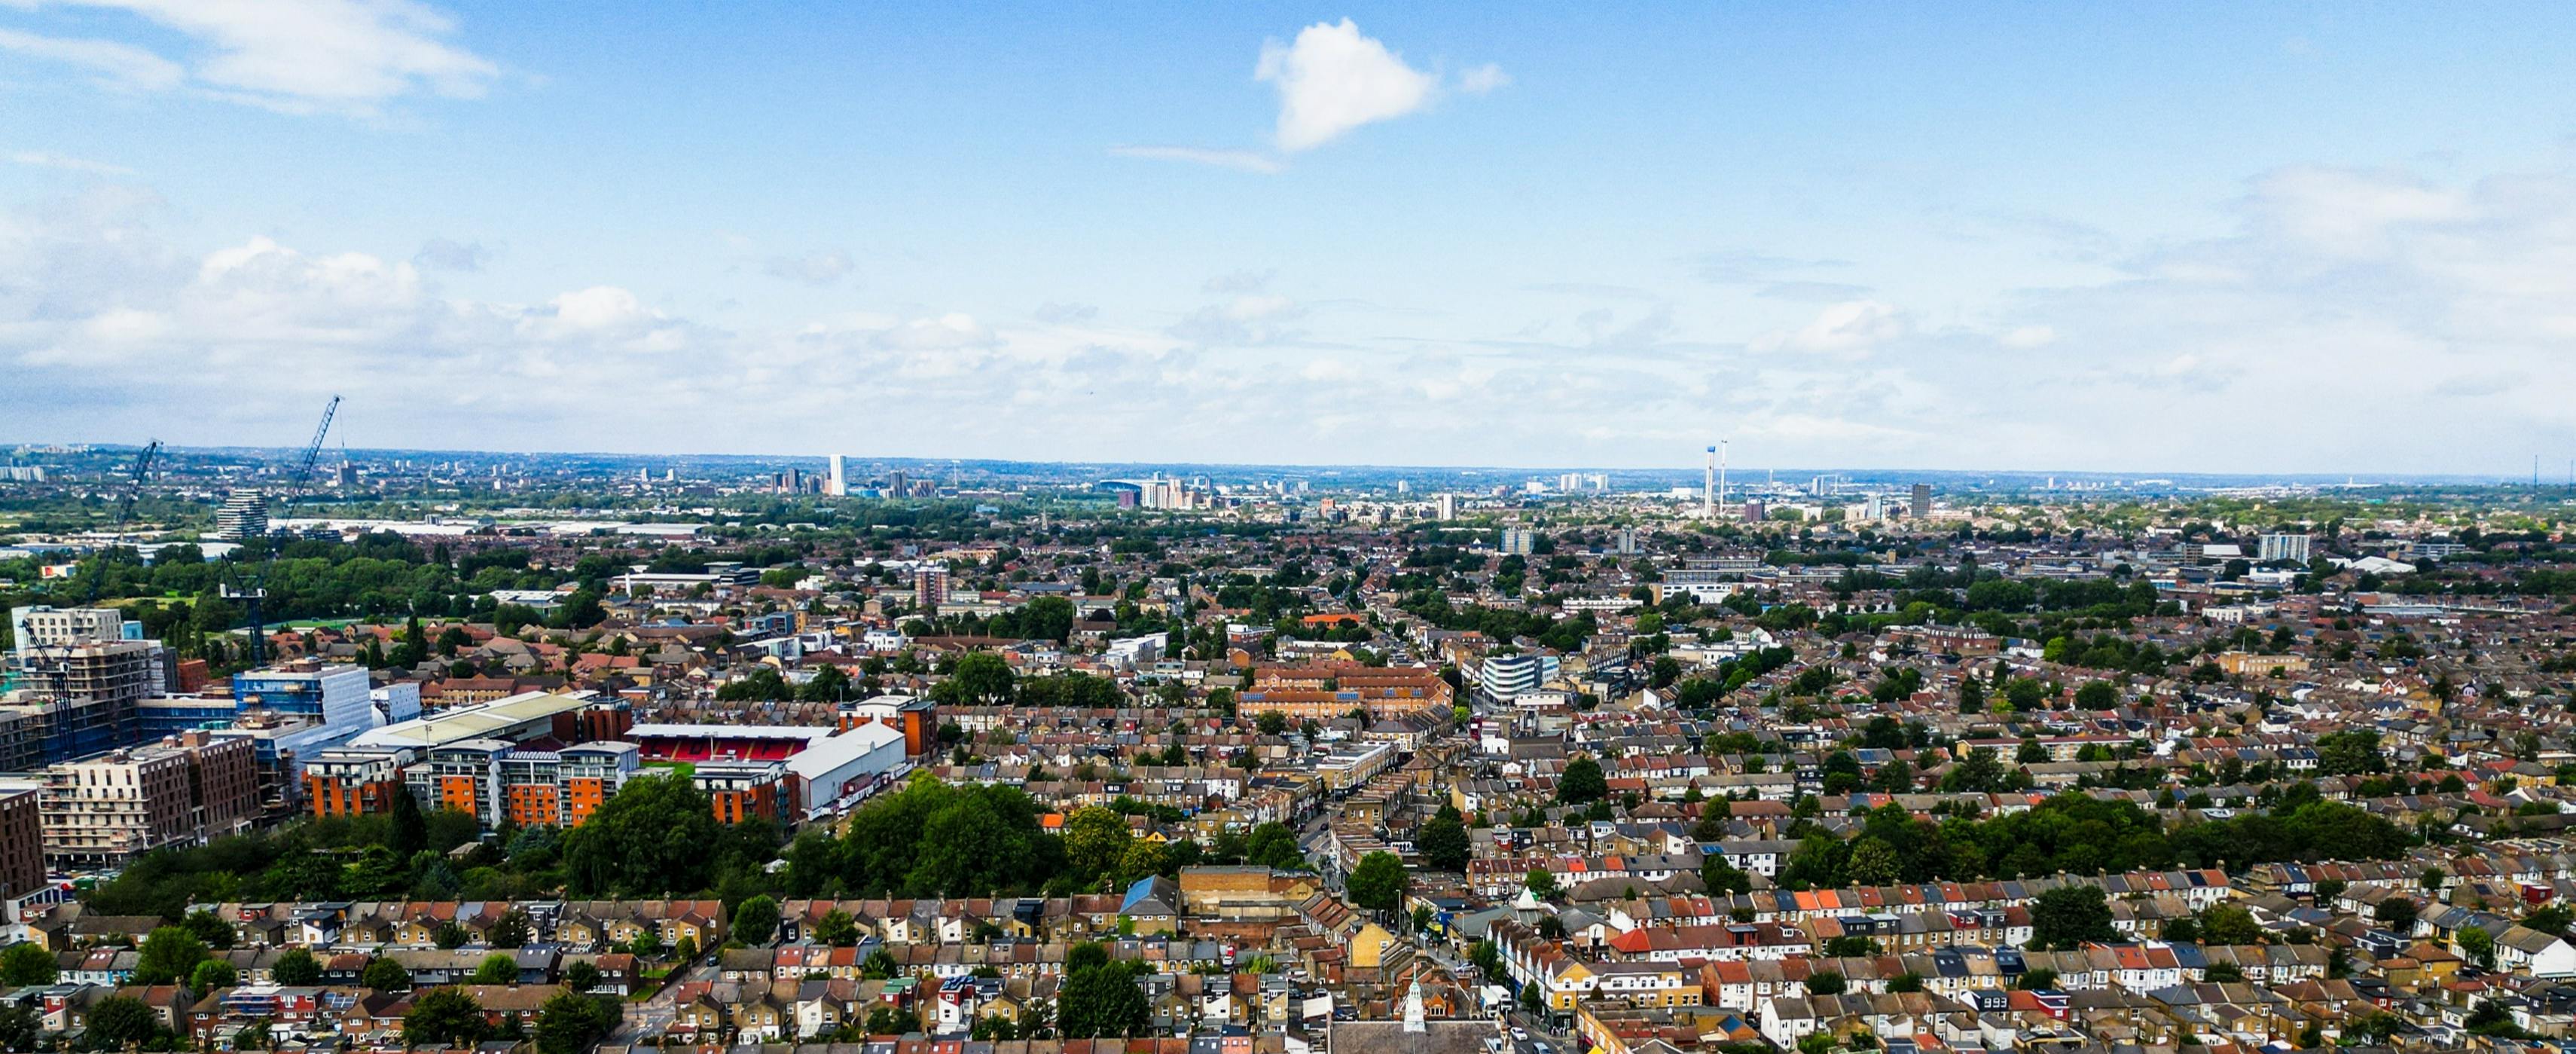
2334,238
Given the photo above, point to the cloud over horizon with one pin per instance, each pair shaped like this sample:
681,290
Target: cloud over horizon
292,56
1330,80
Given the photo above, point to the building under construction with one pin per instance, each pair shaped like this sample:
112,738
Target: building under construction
76,701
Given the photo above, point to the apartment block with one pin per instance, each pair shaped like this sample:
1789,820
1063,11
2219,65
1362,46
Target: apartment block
355,782
87,698
741,790
22,857
184,790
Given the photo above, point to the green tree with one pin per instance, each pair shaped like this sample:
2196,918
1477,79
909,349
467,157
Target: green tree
1273,845
1443,840
755,921
296,967
2229,924
2065,917
2396,913
512,930
1873,862
445,1017
1271,722
980,679
646,944
2490,1018
2352,751
119,1021
1095,840
879,965
572,1022
211,929
170,954
2097,695
19,1027
497,968
580,975
2476,945
385,975
1721,878
1541,883
837,928
1101,1001
27,965
1826,982
650,839
1379,882
888,1021
829,685
1083,956
212,974
1581,782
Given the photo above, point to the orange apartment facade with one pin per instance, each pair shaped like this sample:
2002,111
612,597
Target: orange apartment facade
917,719
488,779
740,790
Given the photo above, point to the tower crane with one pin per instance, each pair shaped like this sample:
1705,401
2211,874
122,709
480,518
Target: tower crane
312,450
125,499
250,587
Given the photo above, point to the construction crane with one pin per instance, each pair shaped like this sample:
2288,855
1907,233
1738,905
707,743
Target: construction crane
125,499
250,586
312,450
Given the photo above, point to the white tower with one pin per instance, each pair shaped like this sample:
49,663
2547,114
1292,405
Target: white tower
1721,472
1708,487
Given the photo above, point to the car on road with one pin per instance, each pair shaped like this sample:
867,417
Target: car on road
1520,1033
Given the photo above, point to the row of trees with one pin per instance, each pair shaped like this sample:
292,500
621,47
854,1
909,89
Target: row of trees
2074,833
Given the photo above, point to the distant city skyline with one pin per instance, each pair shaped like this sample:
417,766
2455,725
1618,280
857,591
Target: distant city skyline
2277,239
1748,478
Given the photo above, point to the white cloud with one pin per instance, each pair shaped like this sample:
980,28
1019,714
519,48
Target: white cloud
451,255
1247,320
43,159
945,333
822,268
1238,160
2350,213
2023,338
2450,313
1244,281
295,56
1851,328
1331,371
1332,80
600,308
1482,80
117,65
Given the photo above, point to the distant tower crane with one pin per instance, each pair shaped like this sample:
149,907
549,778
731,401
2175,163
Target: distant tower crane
125,498
250,588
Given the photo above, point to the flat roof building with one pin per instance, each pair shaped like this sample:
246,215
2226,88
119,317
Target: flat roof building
522,717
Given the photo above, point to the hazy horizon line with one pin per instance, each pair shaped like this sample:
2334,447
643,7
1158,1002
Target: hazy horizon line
1740,472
